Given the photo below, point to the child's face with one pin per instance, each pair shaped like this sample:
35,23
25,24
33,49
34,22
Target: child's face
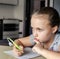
41,28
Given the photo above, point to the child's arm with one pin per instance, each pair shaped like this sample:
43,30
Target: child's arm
50,54
46,53
24,41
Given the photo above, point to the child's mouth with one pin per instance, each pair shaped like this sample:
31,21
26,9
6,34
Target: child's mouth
36,40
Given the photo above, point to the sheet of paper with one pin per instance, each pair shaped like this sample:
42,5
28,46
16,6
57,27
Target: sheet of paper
28,54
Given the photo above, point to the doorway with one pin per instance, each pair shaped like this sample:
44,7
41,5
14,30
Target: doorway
28,11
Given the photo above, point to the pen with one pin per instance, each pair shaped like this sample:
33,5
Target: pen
18,47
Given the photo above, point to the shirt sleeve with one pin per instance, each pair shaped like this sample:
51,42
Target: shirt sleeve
32,39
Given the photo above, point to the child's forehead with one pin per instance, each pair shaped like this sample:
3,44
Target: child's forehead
38,20
40,17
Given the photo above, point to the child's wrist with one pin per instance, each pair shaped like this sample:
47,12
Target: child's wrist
20,43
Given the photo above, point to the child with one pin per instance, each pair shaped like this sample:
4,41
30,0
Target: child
45,40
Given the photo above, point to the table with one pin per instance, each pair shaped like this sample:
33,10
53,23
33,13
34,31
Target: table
5,56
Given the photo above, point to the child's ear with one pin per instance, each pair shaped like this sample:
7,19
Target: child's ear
54,29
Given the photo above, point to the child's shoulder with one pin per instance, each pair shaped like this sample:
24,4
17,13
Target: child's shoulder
57,37
56,43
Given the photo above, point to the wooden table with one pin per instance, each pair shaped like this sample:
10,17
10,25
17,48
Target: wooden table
5,56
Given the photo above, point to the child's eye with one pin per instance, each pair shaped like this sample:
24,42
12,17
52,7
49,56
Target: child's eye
39,29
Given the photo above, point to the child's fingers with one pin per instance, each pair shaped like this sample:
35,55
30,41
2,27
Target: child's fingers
18,52
33,50
22,48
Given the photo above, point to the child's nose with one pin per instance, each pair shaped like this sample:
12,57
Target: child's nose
35,34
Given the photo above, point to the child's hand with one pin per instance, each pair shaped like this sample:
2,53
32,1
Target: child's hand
18,52
38,47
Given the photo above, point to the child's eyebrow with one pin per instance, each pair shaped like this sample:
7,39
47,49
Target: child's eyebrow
37,28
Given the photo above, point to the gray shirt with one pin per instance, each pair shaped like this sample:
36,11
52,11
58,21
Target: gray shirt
54,46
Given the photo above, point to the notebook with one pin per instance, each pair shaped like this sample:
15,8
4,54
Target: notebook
27,55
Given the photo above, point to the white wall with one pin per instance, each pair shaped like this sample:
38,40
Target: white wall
19,10
6,11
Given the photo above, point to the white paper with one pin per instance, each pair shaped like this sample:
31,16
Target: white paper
28,54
